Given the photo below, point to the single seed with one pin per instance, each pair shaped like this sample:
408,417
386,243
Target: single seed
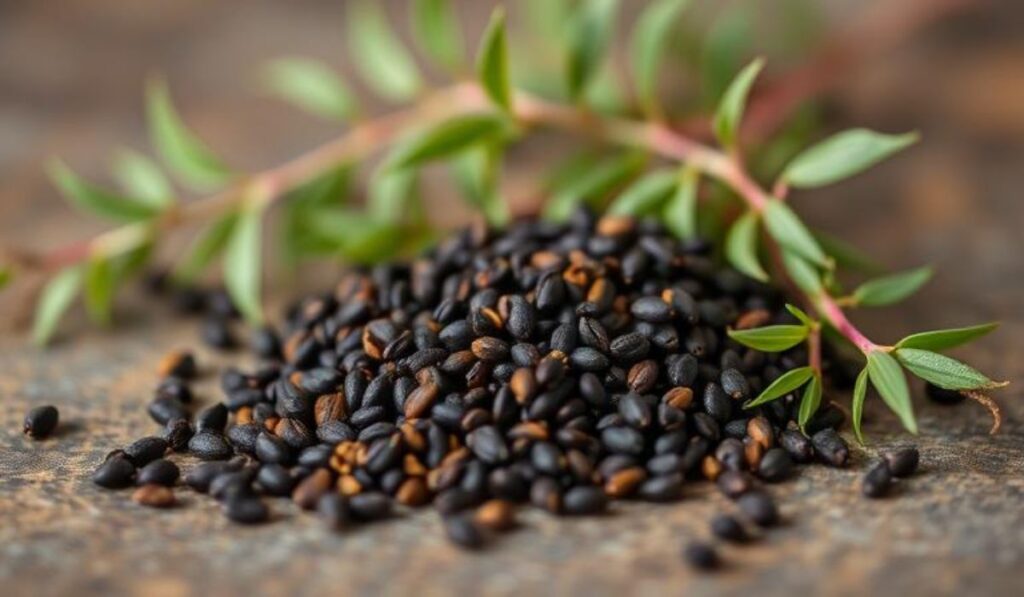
154,496
902,462
177,363
701,556
464,532
728,528
759,508
496,515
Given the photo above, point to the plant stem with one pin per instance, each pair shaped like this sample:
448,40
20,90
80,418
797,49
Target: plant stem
370,136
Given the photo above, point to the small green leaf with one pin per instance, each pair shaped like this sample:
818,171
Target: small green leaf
6,275
55,299
800,314
312,86
943,371
650,36
945,339
377,53
436,28
803,273
242,264
140,177
593,185
355,235
741,247
860,390
392,193
809,403
646,195
787,230
730,109
180,149
95,200
773,338
891,289
680,215
477,172
446,139
492,62
887,377
788,382
210,243
589,35
100,281
843,155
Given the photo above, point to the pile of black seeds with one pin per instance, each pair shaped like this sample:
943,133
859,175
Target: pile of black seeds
562,366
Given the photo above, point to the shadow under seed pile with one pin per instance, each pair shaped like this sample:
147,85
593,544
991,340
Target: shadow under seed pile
558,365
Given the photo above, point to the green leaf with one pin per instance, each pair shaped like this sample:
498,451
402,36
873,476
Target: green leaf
392,194
809,403
312,86
355,235
725,47
593,185
843,155
477,172
741,247
847,255
180,149
100,282
6,275
242,264
891,289
800,314
787,230
945,339
446,139
803,273
377,53
680,215
55,299
730,109
943,371
589,35
93,199
788,382
860,390
492,62
210,243
436,28
140,177
887,377
773,338
646,195
650,36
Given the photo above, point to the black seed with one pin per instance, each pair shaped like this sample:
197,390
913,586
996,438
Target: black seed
265,343
663,488
902,462
216,333
728,528
797,445
114,473
177,433
701,556
629,348
488,445
776,465
623,440
464,532
164,410
759,508
635,411
272,449
246,510
210,446
877,480
40,421
200,477
830,448
584,500
243,437
159,472
588,359
214,419
717,403
334,511
145,450
682,370
735,384
275,479
370,506
651,309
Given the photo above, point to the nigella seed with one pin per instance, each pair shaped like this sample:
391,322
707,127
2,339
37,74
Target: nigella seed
272,449
200,477
584,501
159,472
114,473
759,508
902,462
521,319
275,480
243,437
701,556
334,511
40,422
642,376
877,480
145,450
830,448
490,349
629,348
178,363
635,411
266,343
797,445
776,465
593,334
210,446
489,445
216,333
623,440
735,384
717,403
651,309
682,369
464,532
214,419
154,496
589,359
733,484
663,488
370,506
246,510
728,528
294,433
163,410
177,433
175,388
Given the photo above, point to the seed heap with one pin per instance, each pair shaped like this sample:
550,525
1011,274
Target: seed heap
559,365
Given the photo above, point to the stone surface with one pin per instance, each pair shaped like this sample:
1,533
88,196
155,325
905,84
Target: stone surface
955,528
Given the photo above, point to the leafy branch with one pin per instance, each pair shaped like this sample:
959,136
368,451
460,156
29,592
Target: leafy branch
649,167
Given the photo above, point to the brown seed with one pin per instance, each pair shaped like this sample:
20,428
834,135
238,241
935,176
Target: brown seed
532,430
349,485
760,430
413,492
421,400
329,407
752,453
642,376
523,385
154,496
178,363
308,492
615,225
414,440
711,467
412,466
497,515
243,415
489,348
678,397
625,482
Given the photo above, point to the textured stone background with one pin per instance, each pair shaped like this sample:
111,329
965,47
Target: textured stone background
69,79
